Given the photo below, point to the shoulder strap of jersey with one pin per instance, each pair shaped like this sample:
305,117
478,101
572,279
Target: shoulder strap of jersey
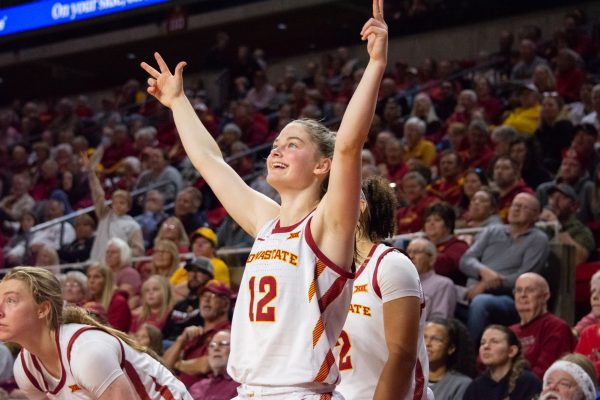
28,373
375,284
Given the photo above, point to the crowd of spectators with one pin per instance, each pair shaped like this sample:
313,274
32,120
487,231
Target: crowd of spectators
498,144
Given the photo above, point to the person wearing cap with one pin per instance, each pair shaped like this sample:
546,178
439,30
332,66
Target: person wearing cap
568,380
526,117
571,172
186,312
204,243
188,354
562,207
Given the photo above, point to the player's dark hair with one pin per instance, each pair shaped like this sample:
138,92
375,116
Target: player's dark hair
376,222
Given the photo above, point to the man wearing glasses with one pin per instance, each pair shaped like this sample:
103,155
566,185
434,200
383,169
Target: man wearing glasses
218,385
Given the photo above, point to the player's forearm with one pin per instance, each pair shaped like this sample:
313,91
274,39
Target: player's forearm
196,140
395,379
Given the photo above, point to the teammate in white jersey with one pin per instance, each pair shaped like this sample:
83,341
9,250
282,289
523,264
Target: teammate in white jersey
66,354
293,297
381,353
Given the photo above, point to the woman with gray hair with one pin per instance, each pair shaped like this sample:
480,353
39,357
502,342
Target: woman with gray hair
74,288
570,378
118,258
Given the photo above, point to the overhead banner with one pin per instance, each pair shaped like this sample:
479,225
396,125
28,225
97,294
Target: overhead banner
45,13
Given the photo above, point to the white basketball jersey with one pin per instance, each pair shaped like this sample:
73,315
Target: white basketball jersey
150,379
361,351
290,310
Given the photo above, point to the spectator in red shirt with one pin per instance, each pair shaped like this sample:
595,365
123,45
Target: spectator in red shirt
410,218
509,183
121,146
569,75
47,181
491,106
394,167
449,187
479,152
189,353
439,229
466,108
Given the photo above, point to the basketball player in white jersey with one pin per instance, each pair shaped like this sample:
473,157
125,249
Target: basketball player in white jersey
295,292
67,355
381,354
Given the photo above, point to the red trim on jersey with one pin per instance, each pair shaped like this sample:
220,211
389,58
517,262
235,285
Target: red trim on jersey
330,264
332,293
285,229
375,284
419,381
28,373
135,379
163,390
37,366
364,264
325,367
325,396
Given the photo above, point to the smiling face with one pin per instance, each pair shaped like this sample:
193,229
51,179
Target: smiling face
294,161
19,313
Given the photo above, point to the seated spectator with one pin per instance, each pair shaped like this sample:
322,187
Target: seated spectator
449,187
410,217
47,181
594,117
120,146
439,229
261,95
501,137
415,146
528,60
544,337
584,143
55,235
18,200
451,358
479,152
571,172
466,109
562,207
473,181
149,336
172,229
231,134
394,168
74,288
569,75
457,136
46,256
555,131
506,375
525,151
118,258
423,109
205,244
231,235
568,380
218,385
103,292
113,221
507,180
487,102
156,304
482,211
392,117
592,318
579,109
526,117
543,79
14,250
185,312
165,260
439,292
79,249
380,144
151,217
188,354
128,173
524,248
589,339
159,171
187,209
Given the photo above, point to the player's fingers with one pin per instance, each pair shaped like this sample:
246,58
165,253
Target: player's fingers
150,70
161,63
179,68
151,82
380,3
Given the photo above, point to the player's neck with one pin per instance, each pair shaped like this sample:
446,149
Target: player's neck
296,206
363,248
43,346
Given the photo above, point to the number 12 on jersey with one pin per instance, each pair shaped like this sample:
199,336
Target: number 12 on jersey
267,285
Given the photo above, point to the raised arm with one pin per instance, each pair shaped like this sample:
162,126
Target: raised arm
337,213
250,209
98,196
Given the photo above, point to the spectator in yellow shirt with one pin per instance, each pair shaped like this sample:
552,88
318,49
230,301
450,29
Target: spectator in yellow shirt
415,147
526,118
